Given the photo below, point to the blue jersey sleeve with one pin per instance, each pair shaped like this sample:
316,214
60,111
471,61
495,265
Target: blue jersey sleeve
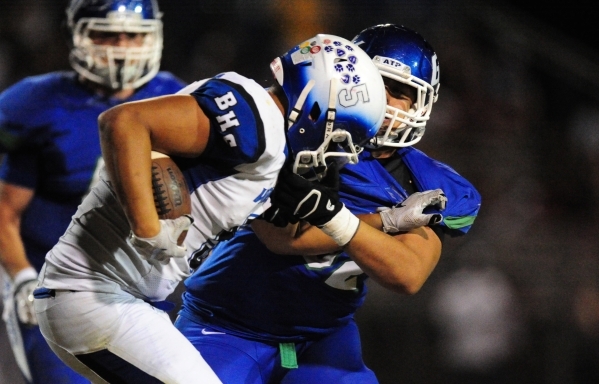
22,110
463,200
24,118
367,185
236,127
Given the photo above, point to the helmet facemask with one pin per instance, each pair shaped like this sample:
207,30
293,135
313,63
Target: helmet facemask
337,147
404,128
312,165
117,67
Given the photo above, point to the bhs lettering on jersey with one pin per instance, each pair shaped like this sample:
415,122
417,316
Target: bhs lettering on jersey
229,119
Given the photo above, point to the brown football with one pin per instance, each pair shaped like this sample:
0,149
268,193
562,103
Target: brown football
171,194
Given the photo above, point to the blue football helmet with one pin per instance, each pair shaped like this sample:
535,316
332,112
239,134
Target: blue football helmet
115,67
403,55
336,101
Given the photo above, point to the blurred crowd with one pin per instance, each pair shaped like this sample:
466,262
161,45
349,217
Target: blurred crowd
515,301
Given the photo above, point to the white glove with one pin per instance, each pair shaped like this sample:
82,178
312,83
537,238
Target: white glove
408,214
24,284
164,245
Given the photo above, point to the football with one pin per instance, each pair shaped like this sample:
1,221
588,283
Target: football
171,194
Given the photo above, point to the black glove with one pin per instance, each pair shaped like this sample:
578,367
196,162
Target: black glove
278,217
297,198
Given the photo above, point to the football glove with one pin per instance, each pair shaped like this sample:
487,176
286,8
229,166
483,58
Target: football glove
24,284
409,213
164,245
314,202
278,216
318,203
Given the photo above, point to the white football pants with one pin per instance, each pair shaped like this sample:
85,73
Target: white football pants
76,323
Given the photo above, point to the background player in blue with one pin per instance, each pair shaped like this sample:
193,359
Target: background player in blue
49,135
102,283
261,315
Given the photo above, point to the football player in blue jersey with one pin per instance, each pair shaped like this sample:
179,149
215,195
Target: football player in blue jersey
49,138
277,305
103,283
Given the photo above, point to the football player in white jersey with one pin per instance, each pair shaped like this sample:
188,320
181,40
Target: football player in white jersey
102,285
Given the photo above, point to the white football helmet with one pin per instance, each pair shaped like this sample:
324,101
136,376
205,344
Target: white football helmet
336,101
115,67
403,55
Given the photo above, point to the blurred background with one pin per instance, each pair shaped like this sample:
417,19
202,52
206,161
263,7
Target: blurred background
517,299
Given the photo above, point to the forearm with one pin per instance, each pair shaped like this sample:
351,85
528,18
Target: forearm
401,263
14,199
126,148
295,239
12,251
372,219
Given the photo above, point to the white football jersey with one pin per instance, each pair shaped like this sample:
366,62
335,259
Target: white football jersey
229,182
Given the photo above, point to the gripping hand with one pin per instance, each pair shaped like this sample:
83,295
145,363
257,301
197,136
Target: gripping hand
164,245
278,216
24,302
296,198
18,300
317,203
409,213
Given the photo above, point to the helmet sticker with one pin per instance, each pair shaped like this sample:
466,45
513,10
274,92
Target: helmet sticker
301,56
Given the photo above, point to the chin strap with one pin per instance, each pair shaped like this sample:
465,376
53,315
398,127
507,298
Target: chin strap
297,108
331,111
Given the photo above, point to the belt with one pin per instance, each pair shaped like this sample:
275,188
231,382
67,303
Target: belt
43,293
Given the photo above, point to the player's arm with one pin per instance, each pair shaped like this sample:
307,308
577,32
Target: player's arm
302,238
14,200
174,125
400,262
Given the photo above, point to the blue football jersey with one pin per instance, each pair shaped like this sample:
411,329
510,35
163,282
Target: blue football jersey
246,290
49,138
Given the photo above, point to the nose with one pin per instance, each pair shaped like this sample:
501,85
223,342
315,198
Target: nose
123,40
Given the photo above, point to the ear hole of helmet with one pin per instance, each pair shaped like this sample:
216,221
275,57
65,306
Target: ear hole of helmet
315,112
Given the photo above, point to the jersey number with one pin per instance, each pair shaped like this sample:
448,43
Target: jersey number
345,277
